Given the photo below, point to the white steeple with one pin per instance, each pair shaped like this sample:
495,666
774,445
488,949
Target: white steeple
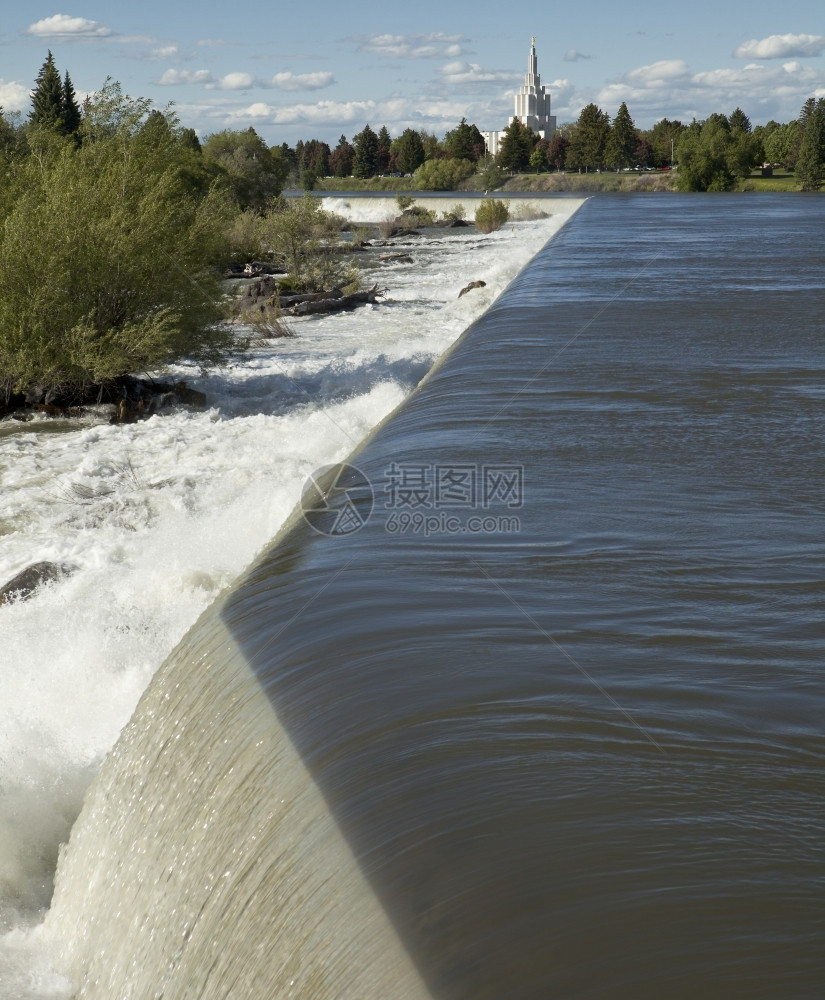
532,105
533,101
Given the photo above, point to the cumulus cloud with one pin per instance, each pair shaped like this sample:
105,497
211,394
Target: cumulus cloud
13,96
781,47
176,77
458,72
233,81
573,55
670,89
321,113
64,26
434,45
246,81
302,81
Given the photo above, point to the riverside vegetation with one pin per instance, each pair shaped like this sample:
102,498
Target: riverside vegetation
116,222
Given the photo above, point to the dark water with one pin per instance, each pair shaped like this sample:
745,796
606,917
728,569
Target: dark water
582,756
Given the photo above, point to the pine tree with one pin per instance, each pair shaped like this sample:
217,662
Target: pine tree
588,141
71,111
383,155
516,146
366,153
739,121
809,166
47,98
622,140
409,151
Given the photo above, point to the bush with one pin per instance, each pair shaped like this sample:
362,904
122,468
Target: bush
108,257
491,214
299,236
442,175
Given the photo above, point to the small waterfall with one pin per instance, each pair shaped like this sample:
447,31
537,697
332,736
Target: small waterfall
577,753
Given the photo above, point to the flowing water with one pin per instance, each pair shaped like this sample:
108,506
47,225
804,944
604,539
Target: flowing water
549,723
155,519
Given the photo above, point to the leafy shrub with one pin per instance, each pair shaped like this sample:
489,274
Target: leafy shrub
491,214
442,175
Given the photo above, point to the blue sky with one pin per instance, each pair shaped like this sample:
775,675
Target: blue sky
323,69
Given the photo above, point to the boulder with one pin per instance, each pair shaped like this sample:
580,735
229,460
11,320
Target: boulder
22,586
472,285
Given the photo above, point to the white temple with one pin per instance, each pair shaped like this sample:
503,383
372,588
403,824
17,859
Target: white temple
532,106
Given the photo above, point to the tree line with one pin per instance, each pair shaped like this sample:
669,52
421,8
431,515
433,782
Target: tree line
115,219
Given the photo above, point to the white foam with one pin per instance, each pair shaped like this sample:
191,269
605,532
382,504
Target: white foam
156,518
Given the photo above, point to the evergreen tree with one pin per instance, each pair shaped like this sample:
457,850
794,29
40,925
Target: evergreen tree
384,146
464,142
71,111
516,146
622,140
365,163
341,158
409,151
588,141
809,165
47,98
739,121
802,123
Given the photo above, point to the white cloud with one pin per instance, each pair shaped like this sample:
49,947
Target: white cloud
64,26
302,81
670,89
458,72
164,52
781,47
176,77
573,55
13,96
434,45
233,81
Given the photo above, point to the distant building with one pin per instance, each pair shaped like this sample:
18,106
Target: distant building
532,106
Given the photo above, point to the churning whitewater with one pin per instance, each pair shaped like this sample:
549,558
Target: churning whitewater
153,520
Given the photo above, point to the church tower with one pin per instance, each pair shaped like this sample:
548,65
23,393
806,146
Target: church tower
533,101
532,105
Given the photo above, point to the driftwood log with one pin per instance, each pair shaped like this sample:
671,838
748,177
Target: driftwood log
340,304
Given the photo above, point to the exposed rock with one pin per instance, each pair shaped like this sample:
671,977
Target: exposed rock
22,586
472,285
396,258
343,302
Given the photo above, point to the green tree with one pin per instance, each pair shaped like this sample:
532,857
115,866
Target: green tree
780,142
246,166
703,157
442,175
365,163
739,121
622,140
125,256
71,111
409,151
341,159
306,241
47,98
516,146
587,143
664,137
809,165
538,158
384,148
464,142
